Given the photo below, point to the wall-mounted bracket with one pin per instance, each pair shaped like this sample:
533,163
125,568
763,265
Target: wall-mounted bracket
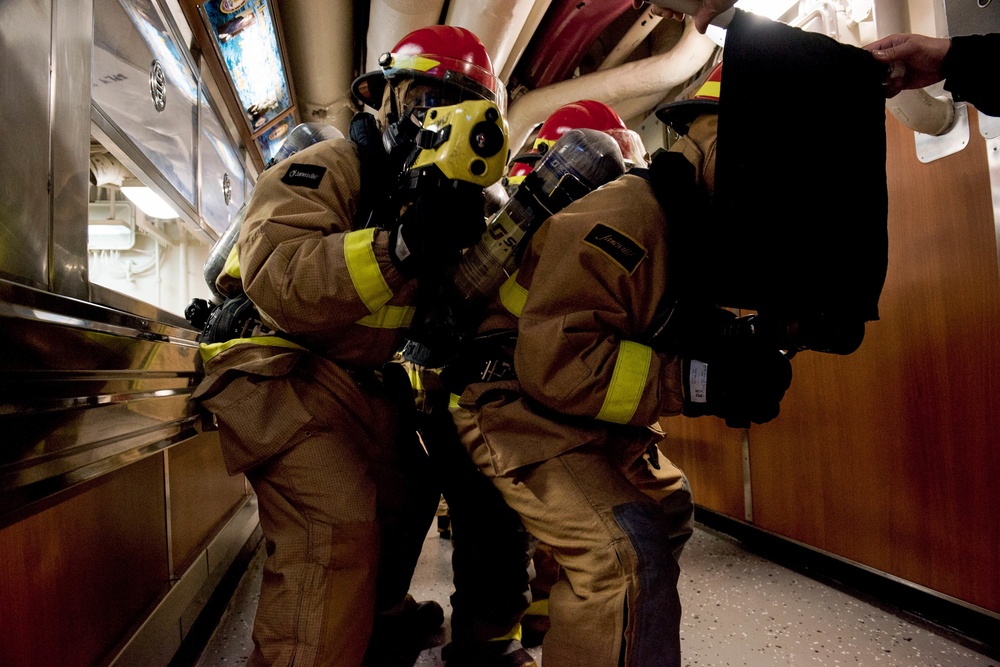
930,147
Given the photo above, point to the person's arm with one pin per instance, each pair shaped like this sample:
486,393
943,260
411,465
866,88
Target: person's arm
707,10
964,63
301,263
595,273
970,71
915,61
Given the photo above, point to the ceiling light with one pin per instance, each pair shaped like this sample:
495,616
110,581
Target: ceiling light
149,202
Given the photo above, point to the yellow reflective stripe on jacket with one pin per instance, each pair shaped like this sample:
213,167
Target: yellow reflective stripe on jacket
232,265
627,382
210,350
363,267
413,373
389,317
513,296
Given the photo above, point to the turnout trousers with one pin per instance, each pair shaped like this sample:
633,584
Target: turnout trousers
616,516
344,503
491,558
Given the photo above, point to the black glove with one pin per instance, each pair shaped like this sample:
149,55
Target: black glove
435,228
740,381
379,172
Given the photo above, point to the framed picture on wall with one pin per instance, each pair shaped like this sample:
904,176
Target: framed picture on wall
246,37
269,141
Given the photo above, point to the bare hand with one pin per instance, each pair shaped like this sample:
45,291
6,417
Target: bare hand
656,10
708,11
915,61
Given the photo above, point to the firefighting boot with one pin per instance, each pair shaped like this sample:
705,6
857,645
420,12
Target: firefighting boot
535,622
401,633
496,653
411,621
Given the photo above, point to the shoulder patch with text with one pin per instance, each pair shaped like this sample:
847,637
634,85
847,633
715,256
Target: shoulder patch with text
308,175
619,247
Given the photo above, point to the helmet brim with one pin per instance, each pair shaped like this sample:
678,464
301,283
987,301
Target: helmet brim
369,88
683,112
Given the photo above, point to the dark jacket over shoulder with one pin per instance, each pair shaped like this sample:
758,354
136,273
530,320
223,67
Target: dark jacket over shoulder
970,70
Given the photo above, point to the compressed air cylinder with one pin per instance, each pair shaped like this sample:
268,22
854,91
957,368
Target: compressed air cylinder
220,252
580,161
302,135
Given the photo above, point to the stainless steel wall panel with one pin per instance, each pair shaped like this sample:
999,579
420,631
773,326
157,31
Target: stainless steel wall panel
72,31
119,145
145,85
221,171
84,390
972,18
25,204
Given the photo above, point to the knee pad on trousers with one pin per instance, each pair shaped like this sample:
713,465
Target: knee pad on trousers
654,609
679,510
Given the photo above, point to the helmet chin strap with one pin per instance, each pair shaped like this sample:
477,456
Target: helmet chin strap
392,117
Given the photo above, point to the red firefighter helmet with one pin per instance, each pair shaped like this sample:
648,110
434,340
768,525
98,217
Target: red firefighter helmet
518,170
705,99
582,114
452,61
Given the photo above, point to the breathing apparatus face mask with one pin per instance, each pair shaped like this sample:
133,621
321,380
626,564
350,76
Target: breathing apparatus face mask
399,136
409,101
436,132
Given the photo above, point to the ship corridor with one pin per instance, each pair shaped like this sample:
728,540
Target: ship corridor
858,528
740,609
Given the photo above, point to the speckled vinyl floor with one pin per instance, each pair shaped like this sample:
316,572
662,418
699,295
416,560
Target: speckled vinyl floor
739,610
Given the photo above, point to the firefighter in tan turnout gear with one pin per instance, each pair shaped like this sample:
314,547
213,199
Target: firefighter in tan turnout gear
571,438
332,250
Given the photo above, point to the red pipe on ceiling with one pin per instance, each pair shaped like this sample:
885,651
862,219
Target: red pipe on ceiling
563,38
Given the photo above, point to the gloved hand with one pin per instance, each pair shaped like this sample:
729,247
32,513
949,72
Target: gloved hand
435,228
367,137
740,381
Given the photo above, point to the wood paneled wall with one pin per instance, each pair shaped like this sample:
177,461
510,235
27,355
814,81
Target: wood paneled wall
202,495
888,457
75,577
711,456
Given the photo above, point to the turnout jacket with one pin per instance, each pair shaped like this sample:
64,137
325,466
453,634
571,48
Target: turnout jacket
310,268
583,301
325,285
